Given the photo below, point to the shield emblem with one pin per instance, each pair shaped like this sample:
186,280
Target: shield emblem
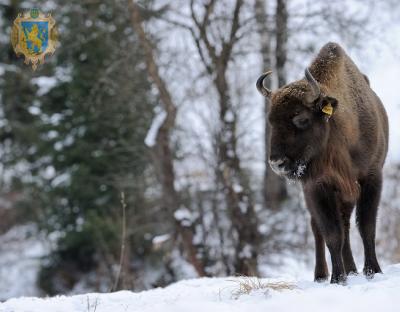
34,35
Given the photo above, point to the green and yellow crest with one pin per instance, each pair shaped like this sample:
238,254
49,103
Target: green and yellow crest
34,35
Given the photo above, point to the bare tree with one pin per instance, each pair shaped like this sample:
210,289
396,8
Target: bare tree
215,51
162,149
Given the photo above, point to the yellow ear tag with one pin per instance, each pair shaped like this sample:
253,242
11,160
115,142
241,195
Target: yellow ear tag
328,109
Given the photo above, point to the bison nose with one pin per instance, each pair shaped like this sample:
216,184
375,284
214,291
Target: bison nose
278,165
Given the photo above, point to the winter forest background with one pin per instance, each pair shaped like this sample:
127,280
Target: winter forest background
135,156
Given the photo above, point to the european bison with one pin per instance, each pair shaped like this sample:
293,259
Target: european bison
330,131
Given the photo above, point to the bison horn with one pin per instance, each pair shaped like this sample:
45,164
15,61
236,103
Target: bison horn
315,90
261,87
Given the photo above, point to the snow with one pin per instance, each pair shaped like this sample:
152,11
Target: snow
62,179
229,116
45,84
300,170
237,188
151,136
159,240
243,207
246,252
21,251
225,295
184,216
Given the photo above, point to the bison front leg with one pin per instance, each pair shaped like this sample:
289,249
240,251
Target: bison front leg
321,273
334,240
349,265
324,210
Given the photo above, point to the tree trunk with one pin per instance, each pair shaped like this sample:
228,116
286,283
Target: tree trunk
281,20
274,186
236,187
163,151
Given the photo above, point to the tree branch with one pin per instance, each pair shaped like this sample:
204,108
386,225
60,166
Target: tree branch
152,66
202,28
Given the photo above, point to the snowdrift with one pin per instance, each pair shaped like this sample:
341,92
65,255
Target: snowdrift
226,295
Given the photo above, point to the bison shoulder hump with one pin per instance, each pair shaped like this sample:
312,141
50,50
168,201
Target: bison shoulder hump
331,50
328,62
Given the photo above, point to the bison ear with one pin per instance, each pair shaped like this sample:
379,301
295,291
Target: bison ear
327,105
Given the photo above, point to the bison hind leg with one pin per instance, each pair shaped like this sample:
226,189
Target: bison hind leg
366,213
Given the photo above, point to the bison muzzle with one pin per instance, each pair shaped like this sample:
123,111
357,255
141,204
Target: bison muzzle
329,130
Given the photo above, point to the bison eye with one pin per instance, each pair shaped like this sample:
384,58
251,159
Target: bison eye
301,122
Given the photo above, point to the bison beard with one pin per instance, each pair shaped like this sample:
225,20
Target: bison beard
330,132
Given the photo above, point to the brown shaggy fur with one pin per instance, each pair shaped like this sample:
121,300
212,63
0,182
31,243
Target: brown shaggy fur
342,154
354,126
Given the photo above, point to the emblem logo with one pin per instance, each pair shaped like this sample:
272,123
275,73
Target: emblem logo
34,35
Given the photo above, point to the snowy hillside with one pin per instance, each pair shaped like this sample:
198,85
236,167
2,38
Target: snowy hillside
229,294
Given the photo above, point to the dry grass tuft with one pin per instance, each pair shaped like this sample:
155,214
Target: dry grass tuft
248,284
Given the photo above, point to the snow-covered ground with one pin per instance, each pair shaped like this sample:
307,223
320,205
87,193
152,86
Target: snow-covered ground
223,295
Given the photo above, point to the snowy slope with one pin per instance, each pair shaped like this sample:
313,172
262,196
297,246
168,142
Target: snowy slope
218,294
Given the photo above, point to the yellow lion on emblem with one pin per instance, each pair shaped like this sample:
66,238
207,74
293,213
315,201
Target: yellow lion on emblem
33,37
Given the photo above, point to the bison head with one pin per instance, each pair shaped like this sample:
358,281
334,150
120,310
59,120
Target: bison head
299,118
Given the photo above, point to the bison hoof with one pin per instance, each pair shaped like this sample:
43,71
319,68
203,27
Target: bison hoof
369,272
320,279
339,279
321,274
